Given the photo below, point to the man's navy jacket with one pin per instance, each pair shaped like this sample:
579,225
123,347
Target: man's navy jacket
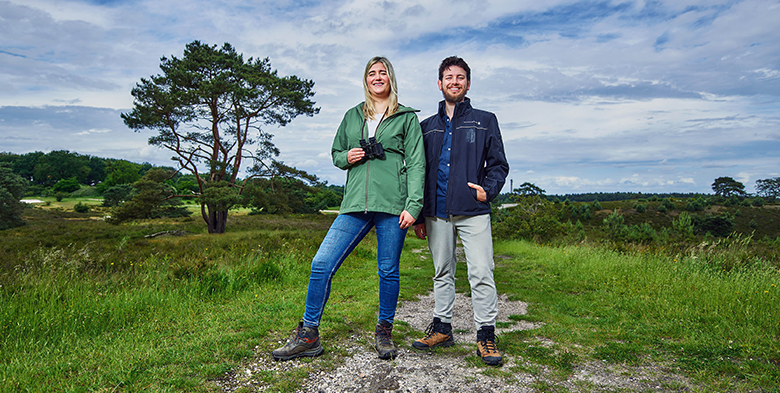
477,156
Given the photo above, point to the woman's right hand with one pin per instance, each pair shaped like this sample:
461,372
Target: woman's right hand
355,155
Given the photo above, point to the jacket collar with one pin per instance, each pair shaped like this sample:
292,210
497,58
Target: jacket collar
461,108
401,109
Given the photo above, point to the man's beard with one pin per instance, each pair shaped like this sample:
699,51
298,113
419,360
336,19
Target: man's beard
454,99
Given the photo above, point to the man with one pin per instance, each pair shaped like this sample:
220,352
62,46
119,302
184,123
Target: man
466,169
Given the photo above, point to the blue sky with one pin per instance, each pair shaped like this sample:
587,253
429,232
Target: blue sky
591,96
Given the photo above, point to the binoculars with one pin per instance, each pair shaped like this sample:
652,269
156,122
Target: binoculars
372,148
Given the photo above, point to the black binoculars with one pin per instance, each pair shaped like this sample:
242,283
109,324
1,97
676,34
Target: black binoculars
372,148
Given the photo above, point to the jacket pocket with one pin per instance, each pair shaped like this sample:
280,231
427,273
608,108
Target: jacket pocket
402,186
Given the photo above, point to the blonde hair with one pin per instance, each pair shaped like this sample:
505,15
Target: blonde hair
368,107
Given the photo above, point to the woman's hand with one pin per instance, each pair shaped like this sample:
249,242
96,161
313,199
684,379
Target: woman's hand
481,194
355,155
405,220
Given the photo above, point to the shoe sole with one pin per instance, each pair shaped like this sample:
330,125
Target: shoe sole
310,353
389,355
490,362
442,344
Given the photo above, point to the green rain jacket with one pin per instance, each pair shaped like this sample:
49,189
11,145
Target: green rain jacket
391,184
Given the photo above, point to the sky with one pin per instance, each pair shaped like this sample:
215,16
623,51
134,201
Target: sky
591,96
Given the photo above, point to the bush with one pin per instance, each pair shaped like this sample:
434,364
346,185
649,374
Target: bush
694,206
533,218
758,202
12,188
281,195
584,212
35,190
642,233
81,208
67,185
661,208
596,205
152,200
640,208
85,192
732,201
668,204
683,225
115,195
615,226
720,226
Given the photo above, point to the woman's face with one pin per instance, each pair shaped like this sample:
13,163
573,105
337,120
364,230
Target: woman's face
378,82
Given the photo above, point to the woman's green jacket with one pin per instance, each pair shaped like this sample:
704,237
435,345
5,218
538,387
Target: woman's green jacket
391,184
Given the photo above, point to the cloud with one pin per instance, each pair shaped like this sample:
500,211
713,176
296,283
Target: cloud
590,95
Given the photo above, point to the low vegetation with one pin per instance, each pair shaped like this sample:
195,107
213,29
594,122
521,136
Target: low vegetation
159,305
665,226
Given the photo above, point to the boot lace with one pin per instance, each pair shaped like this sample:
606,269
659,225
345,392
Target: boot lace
488,344
384,335
430,331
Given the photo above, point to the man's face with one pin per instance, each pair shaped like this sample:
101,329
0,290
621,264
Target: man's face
453,84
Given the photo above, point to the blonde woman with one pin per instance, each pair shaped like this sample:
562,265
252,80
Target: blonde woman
379,144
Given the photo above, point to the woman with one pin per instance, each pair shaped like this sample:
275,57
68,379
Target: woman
384,190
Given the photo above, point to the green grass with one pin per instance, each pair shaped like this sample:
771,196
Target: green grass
88,306
91,306
715,325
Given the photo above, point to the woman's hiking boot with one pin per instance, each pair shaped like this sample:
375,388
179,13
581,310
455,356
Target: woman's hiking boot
486,346
383,336
438,334
305,341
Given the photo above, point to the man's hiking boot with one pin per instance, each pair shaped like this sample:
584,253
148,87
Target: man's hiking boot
486,346
383,336
438,334
304,342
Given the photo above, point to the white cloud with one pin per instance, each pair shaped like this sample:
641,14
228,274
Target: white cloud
94,131
661,95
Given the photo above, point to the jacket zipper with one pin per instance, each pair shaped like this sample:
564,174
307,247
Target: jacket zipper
368,162
449,176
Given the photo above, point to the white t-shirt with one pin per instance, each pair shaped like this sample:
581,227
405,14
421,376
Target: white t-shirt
374,123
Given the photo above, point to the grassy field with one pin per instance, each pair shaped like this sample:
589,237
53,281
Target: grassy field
88,306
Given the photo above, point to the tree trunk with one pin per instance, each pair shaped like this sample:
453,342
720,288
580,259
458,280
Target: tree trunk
216,220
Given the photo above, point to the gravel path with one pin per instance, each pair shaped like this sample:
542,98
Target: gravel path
446,370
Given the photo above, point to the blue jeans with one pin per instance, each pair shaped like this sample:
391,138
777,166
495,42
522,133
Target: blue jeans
343,236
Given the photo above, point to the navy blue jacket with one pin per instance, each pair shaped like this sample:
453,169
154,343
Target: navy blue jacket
477,157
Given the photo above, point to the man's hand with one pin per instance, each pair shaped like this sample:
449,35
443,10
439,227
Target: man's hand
481,194
419,230
405,220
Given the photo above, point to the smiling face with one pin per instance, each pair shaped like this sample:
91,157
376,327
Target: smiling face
378,81
454,84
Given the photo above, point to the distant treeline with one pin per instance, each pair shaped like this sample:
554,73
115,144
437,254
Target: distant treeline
621,196
607,197
45,170
62,173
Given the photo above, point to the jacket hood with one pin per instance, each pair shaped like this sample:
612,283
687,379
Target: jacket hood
401,109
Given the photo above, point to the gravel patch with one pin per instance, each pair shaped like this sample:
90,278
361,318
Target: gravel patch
447,370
